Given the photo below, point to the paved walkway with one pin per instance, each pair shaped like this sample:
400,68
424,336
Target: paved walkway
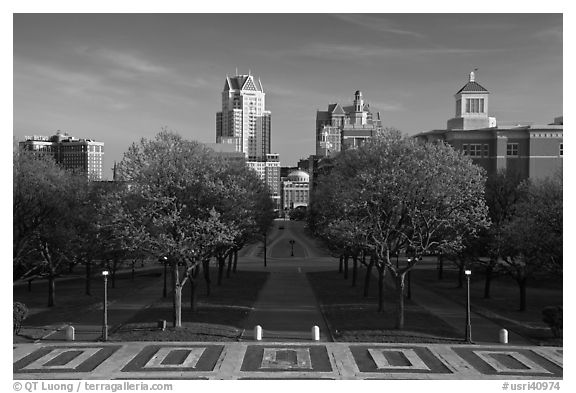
287,308
183,360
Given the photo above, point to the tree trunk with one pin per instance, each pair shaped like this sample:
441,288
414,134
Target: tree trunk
340,265
221,263
346,257
230,256
193,305
177,299
522,287
354,270
381,269
488,280
368,276
460,275
440,267
51,289
235,260
178,306
400,305
89,278
113,273
265,247
206,266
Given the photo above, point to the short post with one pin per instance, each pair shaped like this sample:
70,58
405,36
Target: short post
315,333
69,332
258,333
503,336
162,324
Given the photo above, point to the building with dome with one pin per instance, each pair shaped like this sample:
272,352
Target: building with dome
345,127
529,150
295,190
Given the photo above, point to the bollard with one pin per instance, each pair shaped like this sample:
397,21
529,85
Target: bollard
69,332
315,333
258,333
162,324
503,336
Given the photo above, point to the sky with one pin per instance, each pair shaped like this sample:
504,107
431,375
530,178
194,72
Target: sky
117,78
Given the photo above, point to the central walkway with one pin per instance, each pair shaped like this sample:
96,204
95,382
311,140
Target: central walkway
286,308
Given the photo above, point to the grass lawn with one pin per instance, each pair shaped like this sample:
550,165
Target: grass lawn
503,305
219,317
352,317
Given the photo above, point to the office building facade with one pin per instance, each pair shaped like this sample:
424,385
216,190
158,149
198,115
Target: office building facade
530,150
75,154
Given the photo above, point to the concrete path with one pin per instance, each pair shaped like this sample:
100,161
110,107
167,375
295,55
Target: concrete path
287,308
279,360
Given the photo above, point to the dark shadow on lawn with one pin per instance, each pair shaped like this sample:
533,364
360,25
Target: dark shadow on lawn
353,317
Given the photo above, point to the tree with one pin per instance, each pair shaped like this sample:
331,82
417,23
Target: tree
533,237
186,204
409,196
46,202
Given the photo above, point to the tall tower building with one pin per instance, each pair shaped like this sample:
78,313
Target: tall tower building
244,124
244,120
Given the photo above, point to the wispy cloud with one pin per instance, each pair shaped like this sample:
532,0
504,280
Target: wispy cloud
376,23
343,51
552,33
128,61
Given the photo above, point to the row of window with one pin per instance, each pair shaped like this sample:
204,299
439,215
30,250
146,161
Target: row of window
481,150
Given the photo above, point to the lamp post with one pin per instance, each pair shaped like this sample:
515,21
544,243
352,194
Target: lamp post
165,260
105,308
468,325
292,247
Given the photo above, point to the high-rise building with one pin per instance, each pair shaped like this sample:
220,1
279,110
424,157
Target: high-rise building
245,125
529,150
345,127
244,121
83,155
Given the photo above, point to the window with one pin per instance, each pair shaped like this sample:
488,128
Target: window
475,150
561,149
475,105
512,150
465,149
485,151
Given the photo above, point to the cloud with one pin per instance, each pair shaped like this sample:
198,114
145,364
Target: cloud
376,23
343,51
553,33
125,60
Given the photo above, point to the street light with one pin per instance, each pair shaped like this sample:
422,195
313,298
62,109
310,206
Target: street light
292,246
165,260
468,325
105,308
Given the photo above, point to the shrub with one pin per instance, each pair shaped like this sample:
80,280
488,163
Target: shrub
552,316
19,314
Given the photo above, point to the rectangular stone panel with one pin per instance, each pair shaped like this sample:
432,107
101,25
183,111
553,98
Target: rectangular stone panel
508,361
277,358
58,359
175,358
395,359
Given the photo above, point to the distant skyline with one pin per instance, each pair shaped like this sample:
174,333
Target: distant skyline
117,78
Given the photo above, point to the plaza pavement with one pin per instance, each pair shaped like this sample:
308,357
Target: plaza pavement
287,309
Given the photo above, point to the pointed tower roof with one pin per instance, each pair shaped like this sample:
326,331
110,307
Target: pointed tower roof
336,109
472,86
